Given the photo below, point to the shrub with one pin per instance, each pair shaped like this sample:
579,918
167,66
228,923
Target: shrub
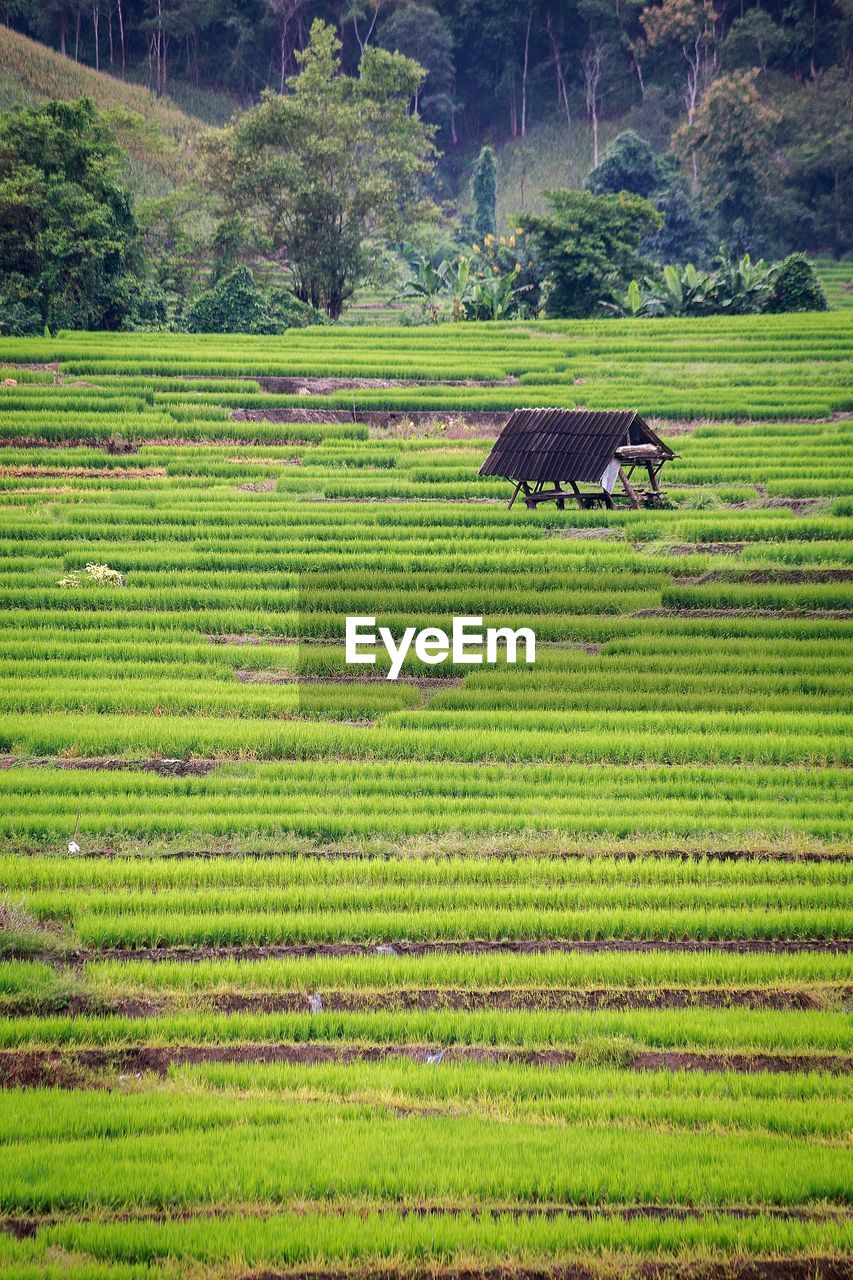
235,304
796,287
588,246
628,164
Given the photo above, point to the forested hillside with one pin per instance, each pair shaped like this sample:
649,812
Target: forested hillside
752,99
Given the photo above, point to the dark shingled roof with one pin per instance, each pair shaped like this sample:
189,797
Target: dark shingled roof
565,444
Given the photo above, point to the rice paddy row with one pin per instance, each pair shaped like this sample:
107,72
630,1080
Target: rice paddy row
534,969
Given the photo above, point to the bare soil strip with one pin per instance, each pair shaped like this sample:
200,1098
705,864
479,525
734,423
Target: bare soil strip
756,576
26,1226
424,683
702,548
76,1067
525,946
818,615
586,534
440,998
797,505
164,765
329,853
289,385
487,422
85,473
226,637
736,1268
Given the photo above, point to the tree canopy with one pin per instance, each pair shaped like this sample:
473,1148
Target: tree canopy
333,160
70,249
588,246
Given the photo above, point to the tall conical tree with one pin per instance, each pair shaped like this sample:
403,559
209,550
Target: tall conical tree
484,189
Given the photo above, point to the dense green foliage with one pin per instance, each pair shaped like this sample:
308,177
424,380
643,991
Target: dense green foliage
484,193
322,165
235,304
587,246
756,94
796,287
70,250
629,164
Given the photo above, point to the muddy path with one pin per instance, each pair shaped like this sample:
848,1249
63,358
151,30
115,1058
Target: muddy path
485,423
760,576
426,684
166,766
524,946
546,999
736,1268
26,1226
292,384
814,615
81,1067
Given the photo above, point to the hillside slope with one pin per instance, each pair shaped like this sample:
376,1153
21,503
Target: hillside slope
158,135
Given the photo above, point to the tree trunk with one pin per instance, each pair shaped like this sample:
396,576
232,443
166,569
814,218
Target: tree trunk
524,76
639,73
121,36
362,44
110,30
814,38
593,61
559,73
336,303
96,16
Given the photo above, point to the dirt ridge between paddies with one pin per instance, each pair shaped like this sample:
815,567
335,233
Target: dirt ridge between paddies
735,1268
25,1226
138,1005
78,1067
283,951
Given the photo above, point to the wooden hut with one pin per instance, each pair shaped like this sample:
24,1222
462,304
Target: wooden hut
543,450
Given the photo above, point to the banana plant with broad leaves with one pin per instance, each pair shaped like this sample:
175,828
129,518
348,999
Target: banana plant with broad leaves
458,284
733,288
428,284
490,295
682,291
495,297
742,286
634,303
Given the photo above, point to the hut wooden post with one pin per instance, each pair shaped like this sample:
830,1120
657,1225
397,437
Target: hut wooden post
629,488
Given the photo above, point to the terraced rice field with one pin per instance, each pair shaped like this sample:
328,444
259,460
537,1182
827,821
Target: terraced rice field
485,971
837,281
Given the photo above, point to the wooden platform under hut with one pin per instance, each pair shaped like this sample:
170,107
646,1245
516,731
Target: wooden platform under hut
541,451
